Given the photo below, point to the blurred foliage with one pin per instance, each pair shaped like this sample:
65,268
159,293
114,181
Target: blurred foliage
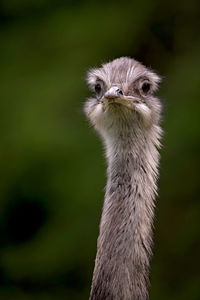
52,165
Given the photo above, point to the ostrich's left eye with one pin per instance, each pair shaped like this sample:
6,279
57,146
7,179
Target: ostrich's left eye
98,88
146,87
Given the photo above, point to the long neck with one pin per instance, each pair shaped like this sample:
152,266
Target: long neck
125,238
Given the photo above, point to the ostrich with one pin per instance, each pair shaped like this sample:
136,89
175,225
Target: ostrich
126,114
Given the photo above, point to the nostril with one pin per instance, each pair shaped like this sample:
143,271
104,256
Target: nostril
120,92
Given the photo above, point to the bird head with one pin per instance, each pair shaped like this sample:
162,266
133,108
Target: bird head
123,96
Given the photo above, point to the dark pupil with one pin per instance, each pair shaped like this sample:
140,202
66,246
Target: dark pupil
98,88
146,87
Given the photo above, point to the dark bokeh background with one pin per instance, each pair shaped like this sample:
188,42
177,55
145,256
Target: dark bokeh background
52,168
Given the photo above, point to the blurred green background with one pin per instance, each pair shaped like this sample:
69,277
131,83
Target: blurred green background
51,162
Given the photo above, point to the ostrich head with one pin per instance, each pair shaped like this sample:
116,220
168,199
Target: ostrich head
123,98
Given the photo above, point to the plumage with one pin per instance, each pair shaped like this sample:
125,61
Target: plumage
126,114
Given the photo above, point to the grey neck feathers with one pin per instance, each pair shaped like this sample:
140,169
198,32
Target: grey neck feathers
125,238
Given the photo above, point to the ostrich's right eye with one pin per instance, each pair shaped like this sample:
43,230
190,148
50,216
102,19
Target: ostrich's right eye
97,88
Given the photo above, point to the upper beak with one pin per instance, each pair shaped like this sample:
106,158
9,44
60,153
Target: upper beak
113,92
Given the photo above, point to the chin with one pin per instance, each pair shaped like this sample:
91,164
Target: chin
116,117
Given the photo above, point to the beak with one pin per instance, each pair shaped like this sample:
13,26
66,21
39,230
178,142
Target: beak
113,92
115,95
